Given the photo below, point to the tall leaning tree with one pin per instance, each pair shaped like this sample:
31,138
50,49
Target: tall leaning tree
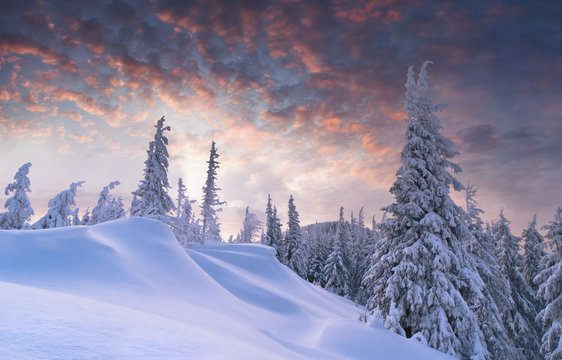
151,198
421,280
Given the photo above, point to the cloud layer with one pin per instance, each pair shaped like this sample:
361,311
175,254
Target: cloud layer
302,97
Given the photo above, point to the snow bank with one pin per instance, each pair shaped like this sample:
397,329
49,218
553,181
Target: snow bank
126,289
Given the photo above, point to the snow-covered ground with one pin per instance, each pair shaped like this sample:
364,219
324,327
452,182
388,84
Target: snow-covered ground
127,290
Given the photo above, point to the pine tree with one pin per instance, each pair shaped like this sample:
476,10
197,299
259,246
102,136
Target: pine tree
520,323
336,270
550,291
109,207
62,211
496,297
250,227
18,207
533,245
210,206
151,199
295,248
422,283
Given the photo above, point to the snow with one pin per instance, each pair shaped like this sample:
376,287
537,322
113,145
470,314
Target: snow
126,289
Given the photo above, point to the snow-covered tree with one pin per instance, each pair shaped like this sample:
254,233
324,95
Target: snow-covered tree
295,248
319,252
18,207
151,199
496,297
62,209
520,324
108,207
251,226
422,283
210,205
183,224
550,291
533,244
268,236
336,270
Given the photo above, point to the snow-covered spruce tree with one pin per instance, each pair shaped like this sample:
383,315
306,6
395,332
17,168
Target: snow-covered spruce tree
550,291
319,252
210,205
533,244
109,207
295,248
182,224
18,207
251,226
365,253
520,322
277,239
151,199
422,282
496,297
62,211
336,269
268,236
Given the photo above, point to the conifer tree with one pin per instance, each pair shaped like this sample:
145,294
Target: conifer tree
550,291
520,324
18,207
62,211
250,227
151,199
210,205
496,298
108,208
268,237
336,270
319,252
277,239
422,283
182,224
295,248
533,244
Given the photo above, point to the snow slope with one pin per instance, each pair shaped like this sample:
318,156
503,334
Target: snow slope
127,290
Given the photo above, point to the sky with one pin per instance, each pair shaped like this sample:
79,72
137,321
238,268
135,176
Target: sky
302,97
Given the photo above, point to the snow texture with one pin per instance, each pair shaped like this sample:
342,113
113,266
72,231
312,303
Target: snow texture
126,289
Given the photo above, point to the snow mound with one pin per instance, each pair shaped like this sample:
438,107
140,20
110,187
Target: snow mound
126,289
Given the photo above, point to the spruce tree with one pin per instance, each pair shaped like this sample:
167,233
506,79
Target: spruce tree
422,282
18,207
520,319
533,244
550,291
496,297
250,226
336,271
295,248
108,207
210,205
319,252
62,209
182,224
268,237
277,239
151,199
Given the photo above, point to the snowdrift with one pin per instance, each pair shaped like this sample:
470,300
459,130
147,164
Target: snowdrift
126,289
